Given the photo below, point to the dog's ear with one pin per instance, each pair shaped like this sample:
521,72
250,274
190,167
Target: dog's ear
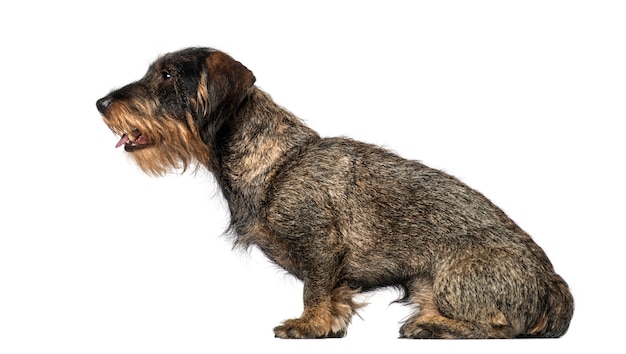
223,84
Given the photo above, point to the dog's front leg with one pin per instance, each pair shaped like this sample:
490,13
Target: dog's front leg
328,307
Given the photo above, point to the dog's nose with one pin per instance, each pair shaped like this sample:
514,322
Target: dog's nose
103,103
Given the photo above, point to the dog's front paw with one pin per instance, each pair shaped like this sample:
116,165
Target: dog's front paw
298,328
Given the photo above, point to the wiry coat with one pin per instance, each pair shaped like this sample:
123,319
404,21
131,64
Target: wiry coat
343,216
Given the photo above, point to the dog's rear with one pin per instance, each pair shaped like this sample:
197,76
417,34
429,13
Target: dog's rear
342,216
557,313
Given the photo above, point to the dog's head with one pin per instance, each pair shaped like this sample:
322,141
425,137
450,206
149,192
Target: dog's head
168,118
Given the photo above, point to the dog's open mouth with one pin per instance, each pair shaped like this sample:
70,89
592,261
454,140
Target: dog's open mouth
133,141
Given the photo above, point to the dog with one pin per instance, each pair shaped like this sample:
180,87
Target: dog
342,216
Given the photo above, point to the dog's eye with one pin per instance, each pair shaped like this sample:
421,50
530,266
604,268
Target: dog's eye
165,75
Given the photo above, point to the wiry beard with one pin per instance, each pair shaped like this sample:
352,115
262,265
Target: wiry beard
157,144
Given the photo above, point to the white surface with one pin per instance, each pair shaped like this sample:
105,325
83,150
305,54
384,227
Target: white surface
523,102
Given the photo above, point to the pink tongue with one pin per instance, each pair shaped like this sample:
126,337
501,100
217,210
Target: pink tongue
122,141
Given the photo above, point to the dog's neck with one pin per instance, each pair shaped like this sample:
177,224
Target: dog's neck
252,146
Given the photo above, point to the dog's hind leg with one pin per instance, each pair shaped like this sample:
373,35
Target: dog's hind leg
428,322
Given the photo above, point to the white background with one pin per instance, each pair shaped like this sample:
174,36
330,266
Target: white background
524,102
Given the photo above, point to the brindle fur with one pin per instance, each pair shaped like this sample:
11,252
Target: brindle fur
342,216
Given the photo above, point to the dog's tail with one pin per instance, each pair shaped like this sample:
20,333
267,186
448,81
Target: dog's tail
558,310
